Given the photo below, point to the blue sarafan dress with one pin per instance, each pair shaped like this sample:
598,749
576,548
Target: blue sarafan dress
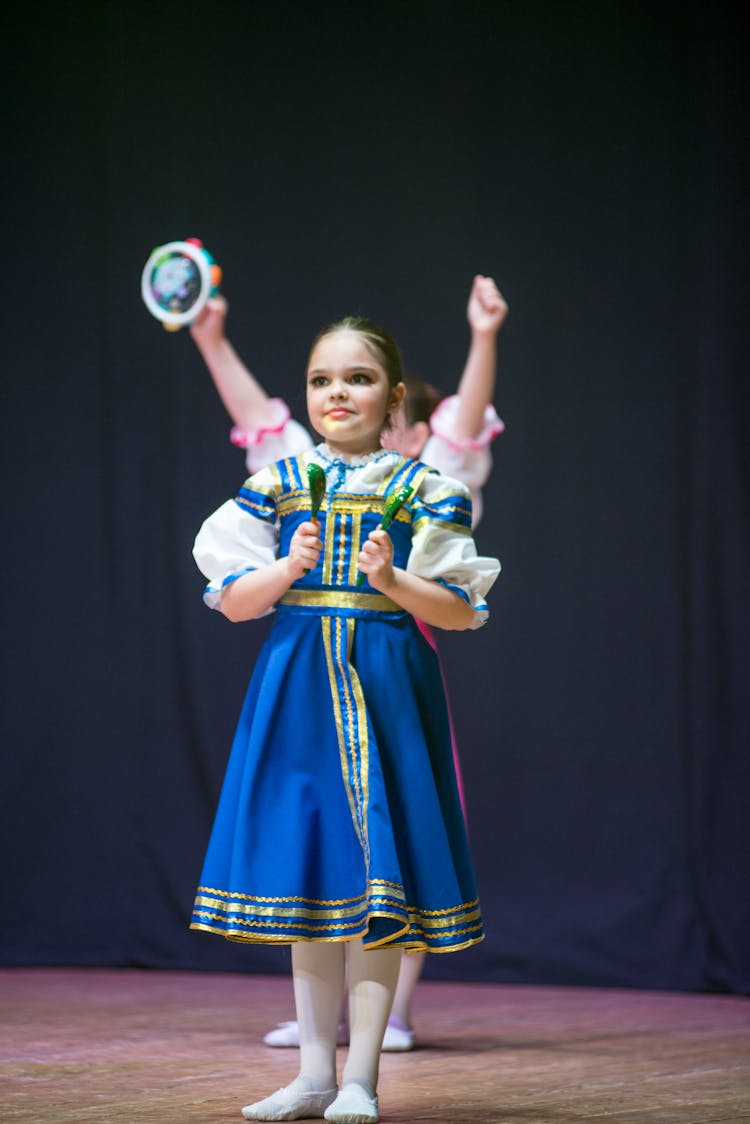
339,815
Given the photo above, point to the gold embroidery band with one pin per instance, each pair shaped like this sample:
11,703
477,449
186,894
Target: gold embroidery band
218,906
397,932
340,599
283,920
292,502
356,547
359,743
376,888
329,538
351,723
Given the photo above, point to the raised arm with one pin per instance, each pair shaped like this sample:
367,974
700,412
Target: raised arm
485,312
244,398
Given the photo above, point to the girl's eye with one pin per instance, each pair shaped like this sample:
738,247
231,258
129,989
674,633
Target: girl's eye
318,380
361,378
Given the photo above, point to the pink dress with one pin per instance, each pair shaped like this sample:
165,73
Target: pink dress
467,460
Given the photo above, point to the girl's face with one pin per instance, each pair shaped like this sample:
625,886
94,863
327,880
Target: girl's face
349,394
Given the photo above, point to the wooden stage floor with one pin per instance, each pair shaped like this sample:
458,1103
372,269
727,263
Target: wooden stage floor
178,1047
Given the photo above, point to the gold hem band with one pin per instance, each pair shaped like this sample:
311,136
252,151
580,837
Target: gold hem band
393,942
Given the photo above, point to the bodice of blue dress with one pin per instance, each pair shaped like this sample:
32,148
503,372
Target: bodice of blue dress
348,514
431,533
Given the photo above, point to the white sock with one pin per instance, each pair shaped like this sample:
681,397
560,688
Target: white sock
372,984
318,973
304,1084
408,977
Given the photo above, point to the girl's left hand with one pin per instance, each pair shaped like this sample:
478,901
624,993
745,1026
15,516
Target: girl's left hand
487,307
208,328
376,559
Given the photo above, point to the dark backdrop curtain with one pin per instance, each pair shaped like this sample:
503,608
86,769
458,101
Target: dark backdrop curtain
337,159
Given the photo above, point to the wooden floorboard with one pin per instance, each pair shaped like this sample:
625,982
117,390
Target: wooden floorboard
176,1047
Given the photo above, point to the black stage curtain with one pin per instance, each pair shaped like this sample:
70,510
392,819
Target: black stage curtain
341,159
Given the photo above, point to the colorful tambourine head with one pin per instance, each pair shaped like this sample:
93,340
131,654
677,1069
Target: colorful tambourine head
177,280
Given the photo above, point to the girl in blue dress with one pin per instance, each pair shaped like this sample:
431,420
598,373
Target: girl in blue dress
344,737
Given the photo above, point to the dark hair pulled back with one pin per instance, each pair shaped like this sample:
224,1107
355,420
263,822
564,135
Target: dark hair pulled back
376,340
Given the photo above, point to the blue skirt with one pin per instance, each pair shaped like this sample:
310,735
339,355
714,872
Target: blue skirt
339,815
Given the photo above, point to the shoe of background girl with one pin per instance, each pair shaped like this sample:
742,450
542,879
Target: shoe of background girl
286,1035
398,1037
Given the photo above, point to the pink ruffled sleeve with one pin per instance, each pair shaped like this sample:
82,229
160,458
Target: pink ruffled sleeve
280,437
466,459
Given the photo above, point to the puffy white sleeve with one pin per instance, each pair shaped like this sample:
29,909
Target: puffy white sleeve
466,459
281,437
443,548
242,535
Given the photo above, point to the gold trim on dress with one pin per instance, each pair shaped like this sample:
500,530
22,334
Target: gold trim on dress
275,924
391,894
252,507
424,922
223,908
328,541
326,624
289,502
350,717
343,522
356,546
399,939
359,735
293,898
422,521
340,599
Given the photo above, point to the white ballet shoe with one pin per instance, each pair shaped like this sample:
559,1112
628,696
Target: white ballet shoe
353,1105
287,1035
293,1102
397,1037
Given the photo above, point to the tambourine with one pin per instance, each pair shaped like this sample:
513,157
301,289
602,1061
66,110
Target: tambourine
177,280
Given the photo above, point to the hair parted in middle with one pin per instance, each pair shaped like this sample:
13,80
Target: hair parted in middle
421,398
376,340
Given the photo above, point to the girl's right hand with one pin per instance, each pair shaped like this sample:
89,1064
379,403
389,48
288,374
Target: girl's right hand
304,549
208,327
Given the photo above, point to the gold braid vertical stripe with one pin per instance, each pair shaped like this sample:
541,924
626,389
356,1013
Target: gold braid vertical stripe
360,750
275,477
341,556
351,722
340,655
356,546
328,546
